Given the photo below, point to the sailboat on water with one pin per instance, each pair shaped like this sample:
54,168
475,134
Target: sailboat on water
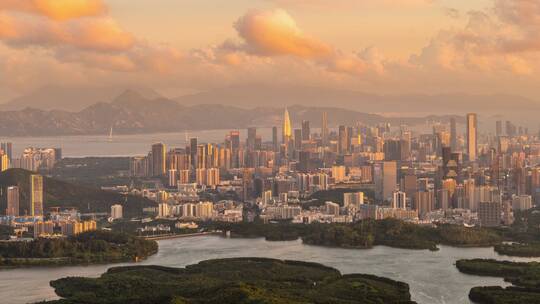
110,139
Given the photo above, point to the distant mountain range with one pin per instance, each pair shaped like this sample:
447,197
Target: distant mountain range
256,95
70,98
440,104
73,111
132,113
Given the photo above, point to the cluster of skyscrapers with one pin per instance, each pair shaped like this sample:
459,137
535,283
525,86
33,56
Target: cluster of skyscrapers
444,171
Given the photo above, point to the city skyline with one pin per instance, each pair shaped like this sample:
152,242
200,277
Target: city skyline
383,47
394,141
355,186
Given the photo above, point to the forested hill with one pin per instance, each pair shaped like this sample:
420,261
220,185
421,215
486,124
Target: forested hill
232,281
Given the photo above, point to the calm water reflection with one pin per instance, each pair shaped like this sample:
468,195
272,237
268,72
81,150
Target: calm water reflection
432,276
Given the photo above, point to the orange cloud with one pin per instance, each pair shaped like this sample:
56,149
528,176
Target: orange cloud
99,34
93,34
160,59
57,9
521,19
79,31
503,38
275,33
350,4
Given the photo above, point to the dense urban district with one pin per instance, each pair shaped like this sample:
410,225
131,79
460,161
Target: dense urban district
342,186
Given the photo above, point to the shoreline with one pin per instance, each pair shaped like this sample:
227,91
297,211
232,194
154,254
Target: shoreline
177,236
183,251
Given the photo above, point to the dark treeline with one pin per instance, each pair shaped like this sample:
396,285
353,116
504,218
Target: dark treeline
524,276
88,247
367,233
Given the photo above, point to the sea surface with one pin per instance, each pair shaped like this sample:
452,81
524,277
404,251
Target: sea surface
122,145
432,276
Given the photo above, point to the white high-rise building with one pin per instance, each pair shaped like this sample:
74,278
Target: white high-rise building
399,200
163,210
116,211
267,197
173,177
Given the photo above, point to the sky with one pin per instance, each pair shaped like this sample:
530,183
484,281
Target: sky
184,46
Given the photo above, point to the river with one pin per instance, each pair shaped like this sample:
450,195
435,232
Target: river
432,276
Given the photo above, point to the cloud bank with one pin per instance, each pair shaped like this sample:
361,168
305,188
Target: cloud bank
78,41
56,9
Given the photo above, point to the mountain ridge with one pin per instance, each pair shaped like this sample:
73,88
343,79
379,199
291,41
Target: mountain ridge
70,98
454,103
131,113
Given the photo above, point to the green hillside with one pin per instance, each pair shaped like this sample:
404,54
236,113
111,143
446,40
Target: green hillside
238,280
63,194
90,247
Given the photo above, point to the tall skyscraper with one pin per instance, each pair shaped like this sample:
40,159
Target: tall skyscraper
472,136
251,138
389,179
275,143
12,201
159,159
116,211
350,135
424,202
234,137
489,214
453,134
7,147
173,177
392,149
306,135
193,151
201,156
399,200
343,140
4,161
510,129
304,158
324,128
498,128
36,195
470,194
385,178
443,199
297,139
287,128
